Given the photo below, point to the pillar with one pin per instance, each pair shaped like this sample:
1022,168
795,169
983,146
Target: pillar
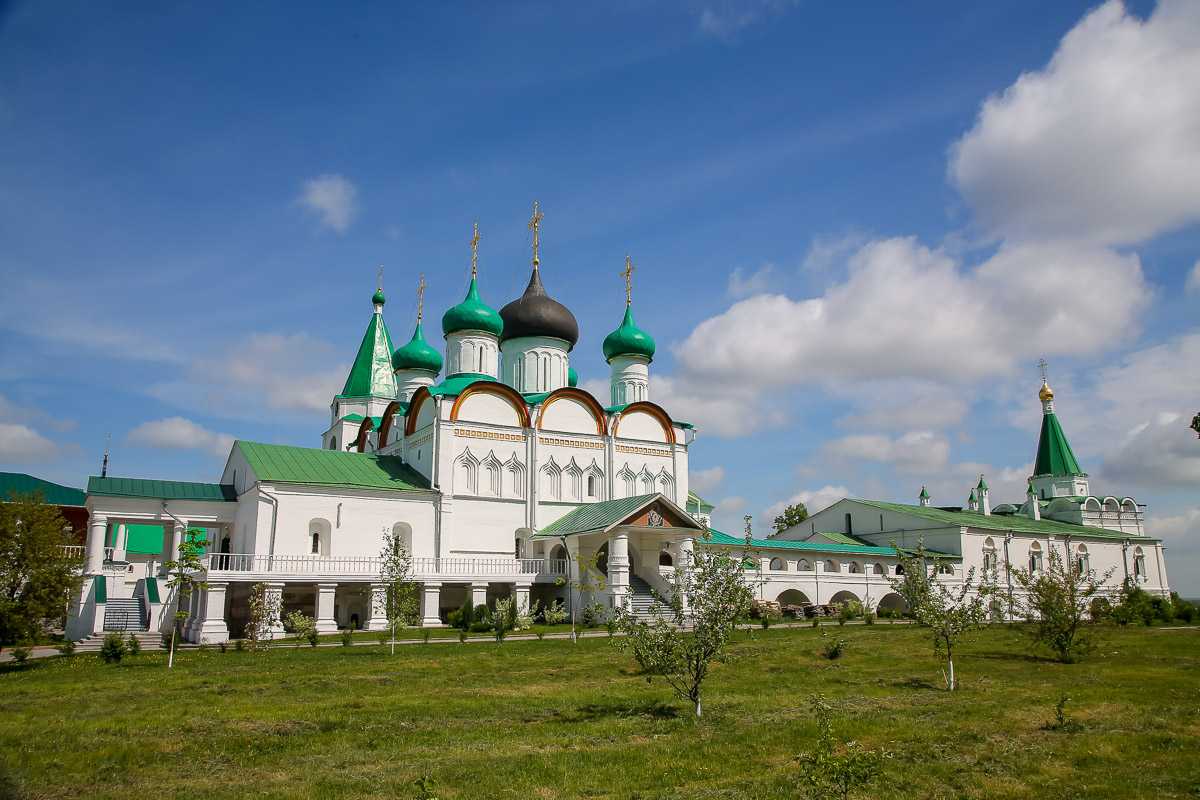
618,569
275,597
120,542
522,597
97,527
326,623
212,627
478,594
377,608
431,598
686,554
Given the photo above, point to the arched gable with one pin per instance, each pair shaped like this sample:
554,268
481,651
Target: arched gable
655,411
569,416
385,427
364,428
420,397
500,390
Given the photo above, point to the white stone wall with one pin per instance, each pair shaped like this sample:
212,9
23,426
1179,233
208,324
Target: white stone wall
535,363
472,351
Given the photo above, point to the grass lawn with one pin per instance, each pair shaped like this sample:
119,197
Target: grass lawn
548,719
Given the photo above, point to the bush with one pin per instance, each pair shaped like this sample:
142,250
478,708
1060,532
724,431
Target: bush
555,613
832,647
239,645
462,637
816,623
133,646
67,648
455,618
384,637
20,654
1184,611
347,637
425,634
312,636
113,648
869,618
592,615
1100,609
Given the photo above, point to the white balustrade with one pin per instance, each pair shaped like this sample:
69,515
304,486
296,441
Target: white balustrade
73,551
371,566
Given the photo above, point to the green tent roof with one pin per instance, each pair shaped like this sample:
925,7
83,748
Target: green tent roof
1002,522
316,467
598,516
371,374
160,490
14,483
1054,454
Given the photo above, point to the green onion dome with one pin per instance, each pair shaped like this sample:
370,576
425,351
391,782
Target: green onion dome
572,376
628,340
417,354
378,298
472,314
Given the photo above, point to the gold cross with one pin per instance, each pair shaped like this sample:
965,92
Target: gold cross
420,296
535,223
475,251
628,273
1042,366
379,277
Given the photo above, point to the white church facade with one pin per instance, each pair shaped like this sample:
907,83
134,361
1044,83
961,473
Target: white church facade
498,474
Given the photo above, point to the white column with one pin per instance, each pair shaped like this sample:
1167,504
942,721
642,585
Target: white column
275,594
522,597
177,532
212,627
618,569
326,623
120,542
431,598
686,554
478,594
97,527
377,608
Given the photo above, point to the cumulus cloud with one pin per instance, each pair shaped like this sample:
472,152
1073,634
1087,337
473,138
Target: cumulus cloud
1193,279
725,20
744,284
724,410
915,451
1102,144
906,405
705,480
333,199
1158,454
177,433
22,443
814,500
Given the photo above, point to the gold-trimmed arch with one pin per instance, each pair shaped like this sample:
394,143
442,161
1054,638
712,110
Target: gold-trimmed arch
510,394
654,410
420,396
364,428
584,397
385,427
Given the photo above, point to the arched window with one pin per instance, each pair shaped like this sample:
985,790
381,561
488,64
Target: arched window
832,566
1111,505
803,566
990,562
647,481
515,476
316,543
491,477
402,536
855,568
899,569
945,569
333,443
777,564
558,553
591,486
1035,558
519,547
1139,565
551,481
666,485
1082,562
628,482
319,531
466,477
880,569
665,560
574,482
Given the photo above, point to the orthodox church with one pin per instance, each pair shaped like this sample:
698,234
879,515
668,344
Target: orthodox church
488,463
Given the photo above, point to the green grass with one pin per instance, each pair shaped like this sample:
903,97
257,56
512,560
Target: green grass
548,719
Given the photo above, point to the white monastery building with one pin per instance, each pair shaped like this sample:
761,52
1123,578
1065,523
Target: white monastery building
497,473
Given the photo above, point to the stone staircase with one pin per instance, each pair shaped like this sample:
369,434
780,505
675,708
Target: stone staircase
147,639
127,614
641,598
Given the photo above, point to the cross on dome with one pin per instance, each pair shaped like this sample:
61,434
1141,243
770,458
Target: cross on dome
535,224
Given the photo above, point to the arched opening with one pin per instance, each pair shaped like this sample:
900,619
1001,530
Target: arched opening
402,536
899,569
558,553
665,559
1091,504
1035,558
1139,565
842,598
832,566
879,569
602,559
1082,562
592,485
793,597
1127,505
319,534
778,565
1111,505
803,566
945,569
893,602
855,569
333,443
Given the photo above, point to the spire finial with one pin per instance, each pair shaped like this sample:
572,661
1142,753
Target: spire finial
1045,394
474,250
535,224
379,278
628,273
420,297
104,463
1042,365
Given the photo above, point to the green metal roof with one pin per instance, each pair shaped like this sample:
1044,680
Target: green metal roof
699,502
456,384
836,537
472,314
598,516
628,340
418,354
160,490
725,540
371,374
313,466
14,483
1002,522
1054,454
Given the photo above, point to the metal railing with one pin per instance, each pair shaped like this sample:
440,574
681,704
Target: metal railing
372,565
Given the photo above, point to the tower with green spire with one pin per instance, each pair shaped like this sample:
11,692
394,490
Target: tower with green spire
629,351
1056,471
472,328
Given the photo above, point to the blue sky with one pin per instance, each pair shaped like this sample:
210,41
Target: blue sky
855,229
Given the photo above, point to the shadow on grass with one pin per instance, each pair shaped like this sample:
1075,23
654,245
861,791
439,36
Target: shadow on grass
916,683
651,709
996,655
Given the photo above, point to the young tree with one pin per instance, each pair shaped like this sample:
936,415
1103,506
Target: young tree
948,613
792,515
37,579
396,571
709,596
181,579
587,578
836,769
263,611
1057,604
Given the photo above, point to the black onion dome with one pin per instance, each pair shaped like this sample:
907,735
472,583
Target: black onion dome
535,313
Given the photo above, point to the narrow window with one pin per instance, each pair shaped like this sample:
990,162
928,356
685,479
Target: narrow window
849,526
316,542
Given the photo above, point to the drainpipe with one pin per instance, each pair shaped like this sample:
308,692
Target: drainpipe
274,518
1125,560
1008,537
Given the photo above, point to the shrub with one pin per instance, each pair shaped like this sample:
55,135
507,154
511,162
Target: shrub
848,611
610,625
836,769
555,613
455,618
312,636
20,654
239,645
113,648
869,618
425,634
816,623
67,648
540,634
1100,609
592,615
384,637
462,637
347,637
832,647
133,646
526,616
426,787
1183,610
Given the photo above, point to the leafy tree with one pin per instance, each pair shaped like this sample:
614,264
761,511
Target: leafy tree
948,613
303,626
1057,604
792,515
263,611
396,571
37,579
709,596
181,579
836,769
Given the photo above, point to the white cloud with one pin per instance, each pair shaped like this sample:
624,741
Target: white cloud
333,199
915,451
742,284
721,409
1102,144
1159,454
814,500
177,433
1193,279
905,405
22,443
706,480
906,311
825,253
725,20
